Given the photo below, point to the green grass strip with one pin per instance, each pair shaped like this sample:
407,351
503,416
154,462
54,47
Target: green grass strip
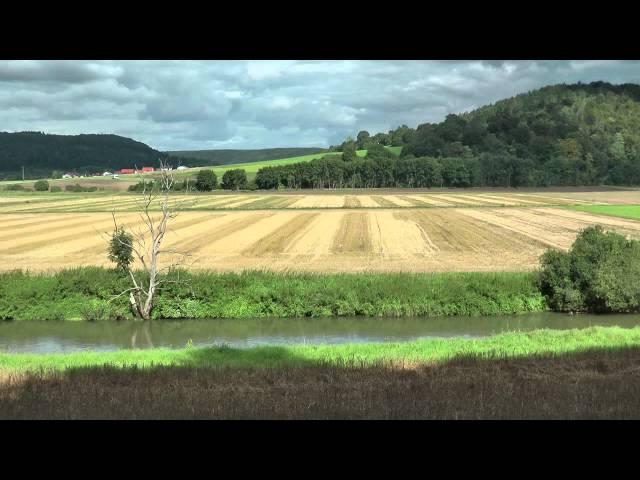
624,211
507,345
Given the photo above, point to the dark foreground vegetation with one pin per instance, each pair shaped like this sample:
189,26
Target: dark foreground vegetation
86,293
589,385
562,135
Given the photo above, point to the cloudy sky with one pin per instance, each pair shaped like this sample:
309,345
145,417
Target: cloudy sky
190,105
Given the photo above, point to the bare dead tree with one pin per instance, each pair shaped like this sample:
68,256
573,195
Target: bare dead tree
146,243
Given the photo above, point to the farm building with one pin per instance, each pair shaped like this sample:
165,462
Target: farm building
125,171
147,169
106,174
182,167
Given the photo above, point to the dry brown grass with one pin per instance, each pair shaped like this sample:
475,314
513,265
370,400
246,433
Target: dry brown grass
593,385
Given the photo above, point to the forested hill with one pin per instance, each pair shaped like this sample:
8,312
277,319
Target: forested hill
580,134
41,154
44,155
226,157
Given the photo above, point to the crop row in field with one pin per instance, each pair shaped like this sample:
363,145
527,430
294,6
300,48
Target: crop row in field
257,201
434,239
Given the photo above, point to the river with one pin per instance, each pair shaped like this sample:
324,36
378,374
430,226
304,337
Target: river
58,337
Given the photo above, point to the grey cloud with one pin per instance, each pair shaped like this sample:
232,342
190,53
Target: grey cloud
180,105
54,71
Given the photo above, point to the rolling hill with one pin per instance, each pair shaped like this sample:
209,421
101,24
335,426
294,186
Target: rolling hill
41,154
227,157
560,135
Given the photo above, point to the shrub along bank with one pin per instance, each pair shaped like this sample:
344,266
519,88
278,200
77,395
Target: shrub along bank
86,293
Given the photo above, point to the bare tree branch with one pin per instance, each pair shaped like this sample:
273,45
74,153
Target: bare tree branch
142,293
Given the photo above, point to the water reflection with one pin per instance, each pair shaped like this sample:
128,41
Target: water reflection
51,337
145,329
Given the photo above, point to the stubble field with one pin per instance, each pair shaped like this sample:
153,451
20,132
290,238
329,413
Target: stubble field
416,232
100,202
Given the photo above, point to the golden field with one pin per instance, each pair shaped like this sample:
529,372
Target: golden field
100,202
415,231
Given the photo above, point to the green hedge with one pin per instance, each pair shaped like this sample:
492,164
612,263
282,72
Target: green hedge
85,293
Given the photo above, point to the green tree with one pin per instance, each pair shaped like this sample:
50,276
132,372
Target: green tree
349,152
234,179
618,147
206,181
120,249
378,151
41,186
600,273
363,140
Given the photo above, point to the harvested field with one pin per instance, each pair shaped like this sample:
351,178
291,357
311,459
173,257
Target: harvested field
334,240
33,203
354,235
351,201
384,201
620,197
318,201
284,237
367,201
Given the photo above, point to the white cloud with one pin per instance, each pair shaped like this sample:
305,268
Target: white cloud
180,105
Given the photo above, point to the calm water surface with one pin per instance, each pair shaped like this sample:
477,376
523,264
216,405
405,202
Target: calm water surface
54,337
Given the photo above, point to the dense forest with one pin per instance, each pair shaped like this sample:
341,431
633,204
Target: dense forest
45,155
227,157
563,135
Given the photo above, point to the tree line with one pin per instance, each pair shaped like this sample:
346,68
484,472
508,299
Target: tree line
205,181
333,172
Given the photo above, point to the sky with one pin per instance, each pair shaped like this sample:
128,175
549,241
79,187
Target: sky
199,105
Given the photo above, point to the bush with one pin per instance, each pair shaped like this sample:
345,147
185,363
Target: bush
141,186
206,181
55,189
600,273
77,188
41,186
234,179
94,312
121,249
16,187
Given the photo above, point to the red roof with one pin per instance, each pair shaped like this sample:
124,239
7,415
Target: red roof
127,170
147,169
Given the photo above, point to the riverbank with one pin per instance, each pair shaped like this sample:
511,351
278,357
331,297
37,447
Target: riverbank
429,351
86,293
585,374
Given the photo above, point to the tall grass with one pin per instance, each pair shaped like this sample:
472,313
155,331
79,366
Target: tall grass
70,294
